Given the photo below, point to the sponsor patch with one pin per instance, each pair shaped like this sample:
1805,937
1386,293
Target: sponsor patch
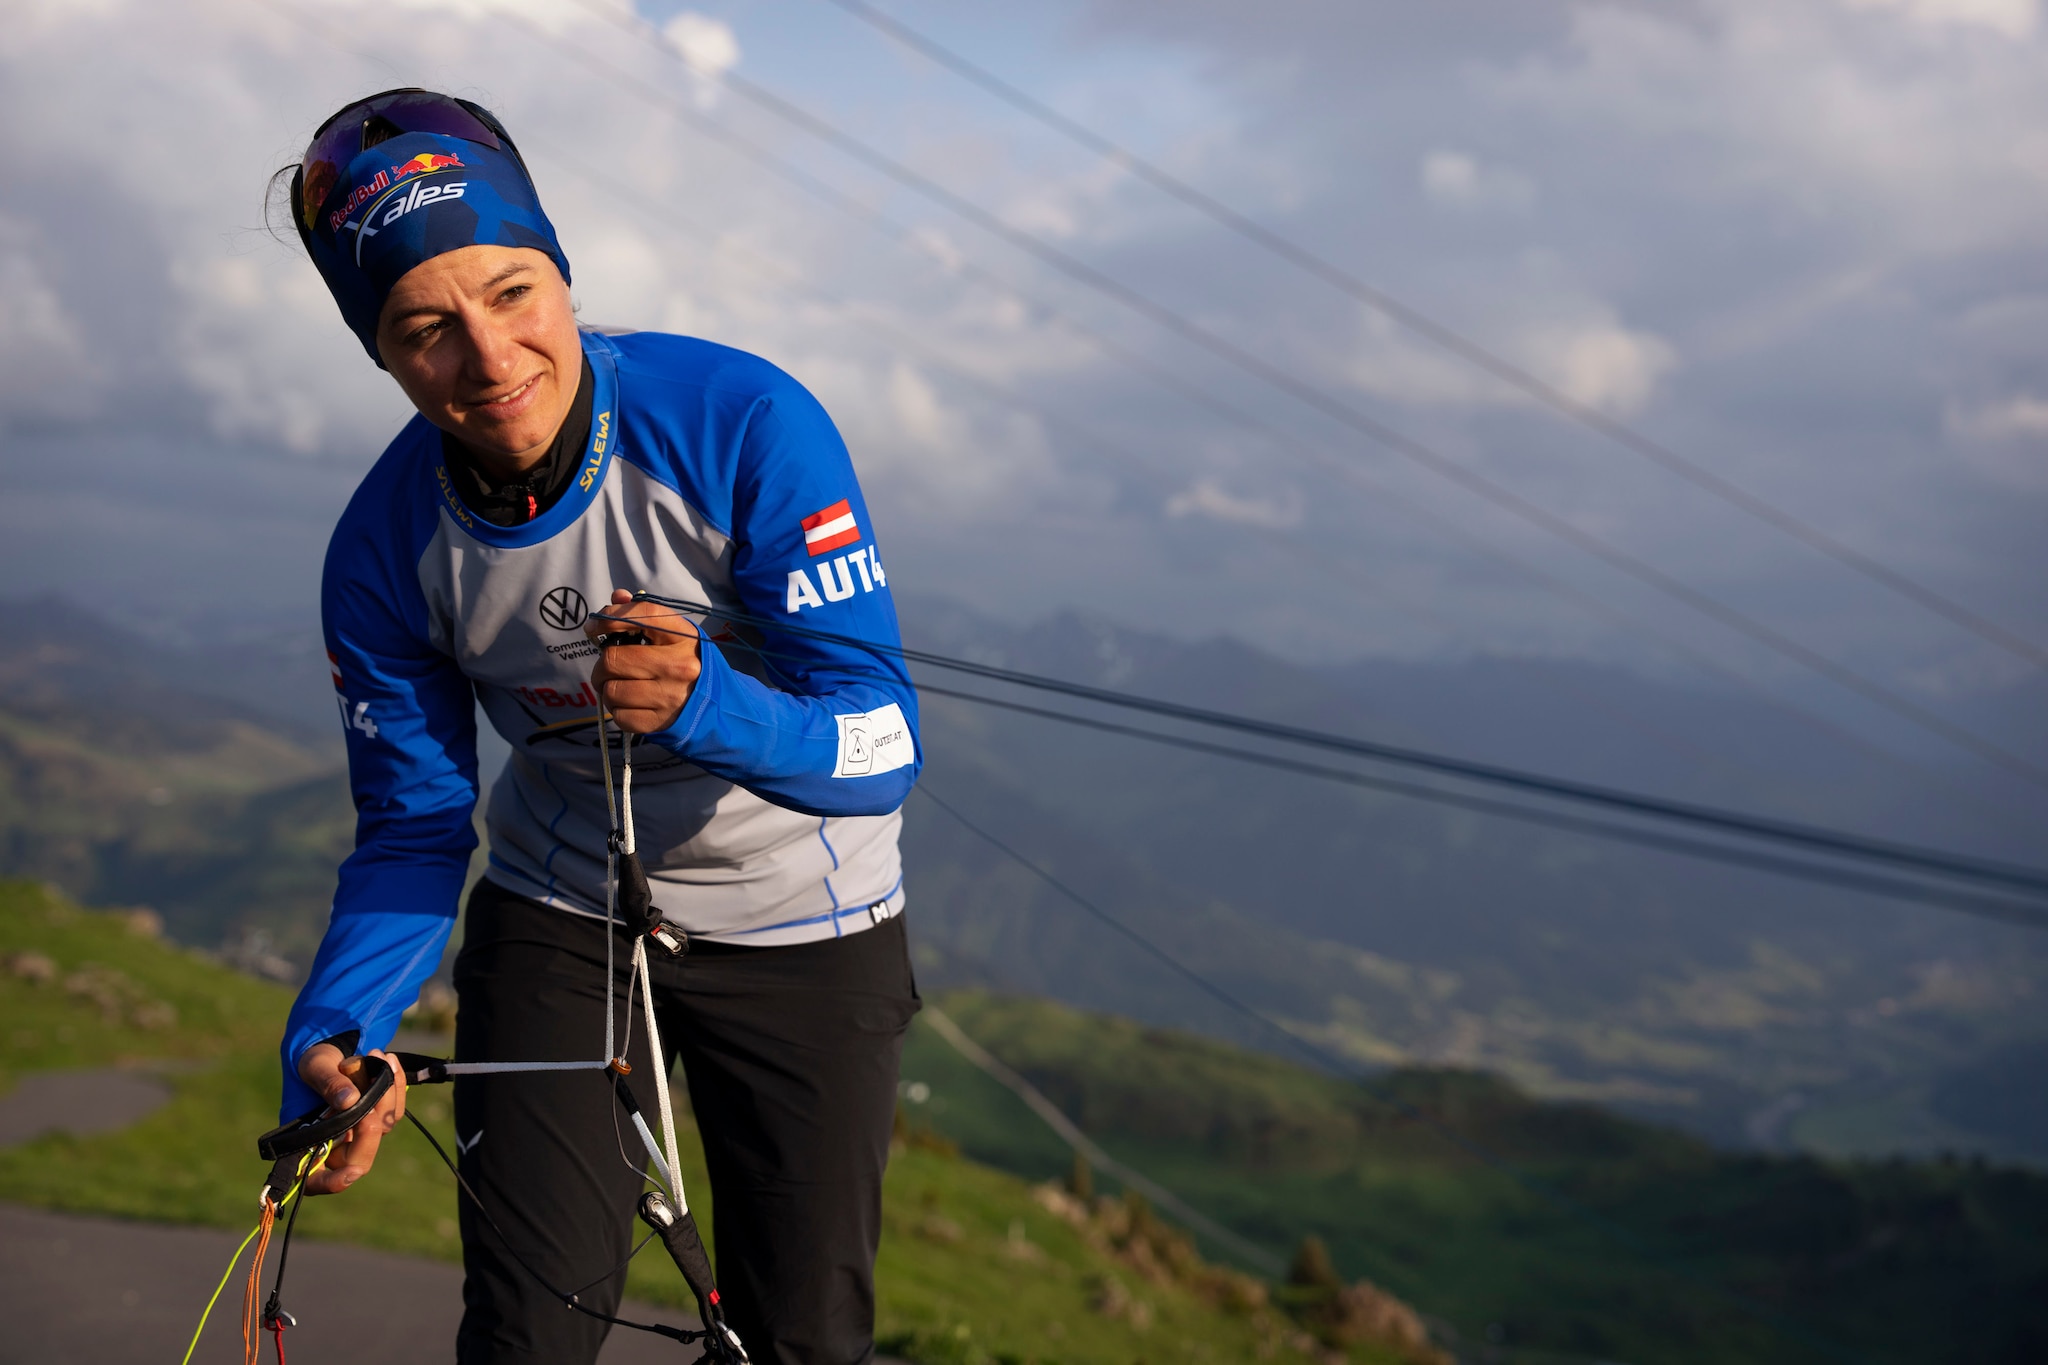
425,162
563,608
874,742
399,201
826,531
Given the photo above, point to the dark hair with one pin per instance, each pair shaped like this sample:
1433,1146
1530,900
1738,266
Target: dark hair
277,200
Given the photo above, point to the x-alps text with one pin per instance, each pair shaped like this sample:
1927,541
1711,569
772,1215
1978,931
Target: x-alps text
840,578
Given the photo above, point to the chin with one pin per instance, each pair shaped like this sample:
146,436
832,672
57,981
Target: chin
505,438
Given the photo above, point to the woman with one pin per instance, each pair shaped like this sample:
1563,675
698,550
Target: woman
550,469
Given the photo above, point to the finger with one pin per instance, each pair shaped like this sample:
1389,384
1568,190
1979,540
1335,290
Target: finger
631,661
649,665
607,617
646,614
318,1065
645,696
357,1152
666,626
328,1177
326,1180
392,1106
661,626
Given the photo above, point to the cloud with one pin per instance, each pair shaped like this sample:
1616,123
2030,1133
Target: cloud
1207,498
710,47
2022,415
1575,344
2006,440
2013,18
1603,364
1461,181
1776,235
45,367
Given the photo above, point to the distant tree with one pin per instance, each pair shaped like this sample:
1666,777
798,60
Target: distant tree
1081,1180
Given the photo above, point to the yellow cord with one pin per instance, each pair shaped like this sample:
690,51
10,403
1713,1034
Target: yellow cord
229,1273
226,1275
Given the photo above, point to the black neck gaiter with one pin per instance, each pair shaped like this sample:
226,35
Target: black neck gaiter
539,488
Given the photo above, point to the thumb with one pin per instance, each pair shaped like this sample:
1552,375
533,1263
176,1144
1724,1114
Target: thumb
341,1090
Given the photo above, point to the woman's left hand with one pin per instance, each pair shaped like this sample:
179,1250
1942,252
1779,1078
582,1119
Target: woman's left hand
645,686
333,1078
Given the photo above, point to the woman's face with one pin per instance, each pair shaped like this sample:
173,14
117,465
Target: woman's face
483,341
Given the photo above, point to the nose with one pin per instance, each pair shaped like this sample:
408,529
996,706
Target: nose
493,354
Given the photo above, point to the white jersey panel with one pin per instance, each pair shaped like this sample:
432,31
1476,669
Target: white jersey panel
722,862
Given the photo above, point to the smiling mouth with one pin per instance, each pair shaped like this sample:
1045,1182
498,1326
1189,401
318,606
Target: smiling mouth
487,404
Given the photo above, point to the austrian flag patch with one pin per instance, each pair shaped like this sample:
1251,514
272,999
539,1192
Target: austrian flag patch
826,531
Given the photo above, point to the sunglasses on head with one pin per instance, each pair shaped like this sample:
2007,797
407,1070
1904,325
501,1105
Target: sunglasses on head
380,118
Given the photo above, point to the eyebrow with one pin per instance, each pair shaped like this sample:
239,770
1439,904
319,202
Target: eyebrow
515,268
507,273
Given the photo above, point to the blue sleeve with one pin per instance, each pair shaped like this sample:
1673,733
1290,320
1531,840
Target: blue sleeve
839,737
409,720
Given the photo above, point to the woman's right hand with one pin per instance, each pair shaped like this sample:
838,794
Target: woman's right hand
331,1076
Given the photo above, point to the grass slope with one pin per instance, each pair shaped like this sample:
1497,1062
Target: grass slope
973,1267
223,826
1686,1253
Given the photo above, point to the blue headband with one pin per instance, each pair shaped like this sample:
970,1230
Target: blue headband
408,200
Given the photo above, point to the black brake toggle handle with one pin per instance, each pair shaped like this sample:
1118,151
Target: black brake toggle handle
678,1233
316,1126
420,1069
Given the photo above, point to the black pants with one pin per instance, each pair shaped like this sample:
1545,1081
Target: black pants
791,1055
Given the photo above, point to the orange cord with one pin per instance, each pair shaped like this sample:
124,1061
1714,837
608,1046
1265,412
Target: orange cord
252,1341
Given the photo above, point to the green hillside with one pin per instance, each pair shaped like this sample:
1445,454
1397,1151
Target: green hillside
1679,1252
976,1267
229,829
1753,1012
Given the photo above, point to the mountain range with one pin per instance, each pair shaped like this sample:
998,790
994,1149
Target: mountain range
201,778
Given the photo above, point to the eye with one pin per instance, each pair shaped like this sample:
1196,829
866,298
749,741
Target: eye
421,336
515,293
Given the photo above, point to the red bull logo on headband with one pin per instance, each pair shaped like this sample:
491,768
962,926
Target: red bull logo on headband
424,162
357,197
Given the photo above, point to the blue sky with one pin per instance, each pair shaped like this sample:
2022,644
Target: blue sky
1806,244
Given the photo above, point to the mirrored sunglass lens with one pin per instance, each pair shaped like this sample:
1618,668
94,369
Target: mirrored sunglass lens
408,111
433,114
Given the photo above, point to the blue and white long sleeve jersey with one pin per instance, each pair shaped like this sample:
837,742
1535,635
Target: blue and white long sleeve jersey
767,814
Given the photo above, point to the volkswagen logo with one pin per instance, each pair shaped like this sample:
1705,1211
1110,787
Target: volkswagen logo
563,609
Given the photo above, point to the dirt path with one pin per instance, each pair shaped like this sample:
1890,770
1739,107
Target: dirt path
100,1291
97,1291
82,1103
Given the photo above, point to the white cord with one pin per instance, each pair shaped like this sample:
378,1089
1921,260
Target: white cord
626,845
668,1116
629,843
611,888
